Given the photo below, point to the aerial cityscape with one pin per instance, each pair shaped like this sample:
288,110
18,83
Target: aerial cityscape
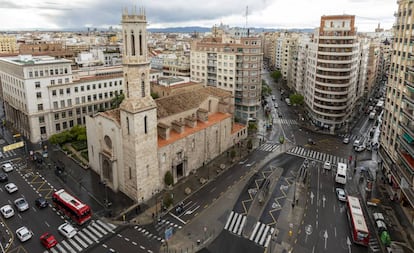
253,126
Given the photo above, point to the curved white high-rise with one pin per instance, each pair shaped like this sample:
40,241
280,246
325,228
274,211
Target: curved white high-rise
332,74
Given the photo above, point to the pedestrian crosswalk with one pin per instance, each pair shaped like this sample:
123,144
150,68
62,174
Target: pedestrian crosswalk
9,154
164,224
285,121
148,234
352,137
261,234
374,245
235,223
315,155
84,238
268,146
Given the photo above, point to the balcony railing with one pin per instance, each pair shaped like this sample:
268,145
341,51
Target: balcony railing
404,141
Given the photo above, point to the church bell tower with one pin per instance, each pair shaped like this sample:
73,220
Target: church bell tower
138,111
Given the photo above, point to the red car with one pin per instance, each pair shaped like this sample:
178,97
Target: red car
48,240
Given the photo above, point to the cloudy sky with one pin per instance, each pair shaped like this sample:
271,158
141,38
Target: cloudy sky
60,14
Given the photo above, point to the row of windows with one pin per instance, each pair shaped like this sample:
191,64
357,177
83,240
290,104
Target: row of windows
48,72
84,99
87,87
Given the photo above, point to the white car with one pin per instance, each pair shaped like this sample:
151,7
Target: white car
7,167
327,165
21,204
67,230
7,211
24,234
340,193
360,148
11,187
346,140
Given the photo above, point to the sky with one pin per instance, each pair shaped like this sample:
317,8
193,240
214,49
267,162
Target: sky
81,14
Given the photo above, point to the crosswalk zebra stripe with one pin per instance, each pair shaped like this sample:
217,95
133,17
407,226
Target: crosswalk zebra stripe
60,248
53,250
76,245
81,234
264,235
254,231
233,221
77,238
106,225
257,237
68,247
103,231
242,225
90,234
93,230
229,220
268,240
235,229
112,226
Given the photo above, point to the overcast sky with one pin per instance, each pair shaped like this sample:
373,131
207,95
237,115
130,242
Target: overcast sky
60,14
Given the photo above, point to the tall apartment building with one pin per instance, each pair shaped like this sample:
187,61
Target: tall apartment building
8,44
233,65
43,96
397,133
332,72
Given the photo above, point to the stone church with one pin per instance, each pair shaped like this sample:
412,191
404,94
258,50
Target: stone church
133,147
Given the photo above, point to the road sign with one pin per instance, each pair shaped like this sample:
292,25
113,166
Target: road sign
13,146
168,233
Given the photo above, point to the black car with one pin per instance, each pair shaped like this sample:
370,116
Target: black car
41,202
3,177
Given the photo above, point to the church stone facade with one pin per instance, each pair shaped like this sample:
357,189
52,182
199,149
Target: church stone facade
132,147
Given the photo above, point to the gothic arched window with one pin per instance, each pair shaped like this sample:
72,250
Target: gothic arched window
140,43
132,43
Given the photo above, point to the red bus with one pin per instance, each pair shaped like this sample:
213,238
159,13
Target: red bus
71,206
359,229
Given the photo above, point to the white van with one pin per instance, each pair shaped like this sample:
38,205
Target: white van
340,177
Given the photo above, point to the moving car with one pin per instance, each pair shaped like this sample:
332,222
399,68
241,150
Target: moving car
7,167
48,240
67,230
11,187
359,148
346,140
3,177
7,211
340,193
41,202
24,234
21,204
327,165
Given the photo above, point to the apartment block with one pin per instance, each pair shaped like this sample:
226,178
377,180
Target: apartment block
233,65
397,132
42,95
8,44
332,72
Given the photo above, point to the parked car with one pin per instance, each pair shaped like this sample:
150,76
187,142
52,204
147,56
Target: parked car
279,114
340,193
311,142
24,234
1,155
41,202
7,211
357,143
11,187
3,177
67,230
21,204
276,105
7,167
48,240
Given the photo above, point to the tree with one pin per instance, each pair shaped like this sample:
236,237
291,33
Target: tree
154,95
168,178
266,90
296,99
117,100
168,200
232,154
250,144
276,75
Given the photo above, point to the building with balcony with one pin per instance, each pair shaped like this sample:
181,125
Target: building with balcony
333,72
42,95
397,132
233,65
